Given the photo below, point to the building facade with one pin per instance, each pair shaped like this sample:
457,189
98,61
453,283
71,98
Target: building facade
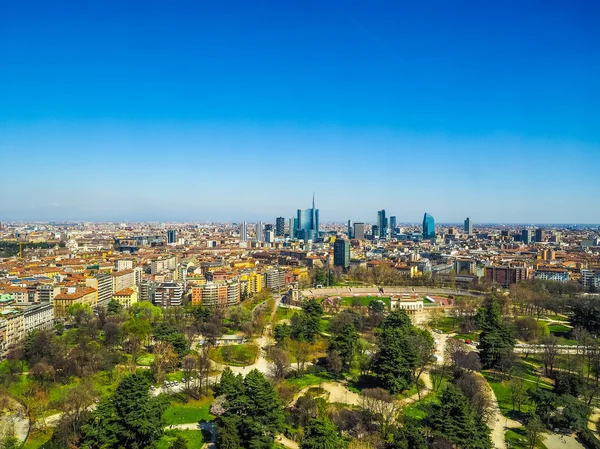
428,227
341,253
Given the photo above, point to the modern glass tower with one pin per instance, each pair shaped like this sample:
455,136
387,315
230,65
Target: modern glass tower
468,226
307,224
382,223
171,236
428,227
341,253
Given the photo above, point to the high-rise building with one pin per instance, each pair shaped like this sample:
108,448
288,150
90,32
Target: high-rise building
268,227
171,236
307,224
350,230
526,236
259,231
382,223
279,227
393,222
168,294
292,225
341,253
428,227
468,226
359,231
375,231
244,231
539,235
269,236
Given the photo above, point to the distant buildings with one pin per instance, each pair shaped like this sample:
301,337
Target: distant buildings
341,253
393,224
526,236
259,231
539,235
221,294
590,278
350,230
468,226
552,274
279,227
307,224
359,231
428,227
171,236
506,276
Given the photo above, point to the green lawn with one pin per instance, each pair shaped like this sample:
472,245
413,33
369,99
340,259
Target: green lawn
194,438
473,336
235,355
447,324
308,380
145,360
324,325
284,313
517,439
190,412
420,409
558,329
364,301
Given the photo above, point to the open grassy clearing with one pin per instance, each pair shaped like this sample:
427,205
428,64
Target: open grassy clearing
235,355
194,438
188,412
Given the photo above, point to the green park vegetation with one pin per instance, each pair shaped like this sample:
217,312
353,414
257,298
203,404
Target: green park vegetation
191,411
193,438
234,355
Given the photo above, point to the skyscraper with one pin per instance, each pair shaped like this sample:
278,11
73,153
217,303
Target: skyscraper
307,225
259,231
468,226
243,231
279,226
428,227
268,227
526,236
350,230
539,235
382,223
393,222
359,231
341,253
171,236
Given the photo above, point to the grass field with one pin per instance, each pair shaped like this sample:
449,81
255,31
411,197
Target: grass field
284,313
517,439
308,380
37,439
420,409
193,437
189,412
364,301
145,360
235,355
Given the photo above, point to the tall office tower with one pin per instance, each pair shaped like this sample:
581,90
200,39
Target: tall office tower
393,222
428,227
539,235
375,231
243,231
526,236
341,253
382,223
307,225
468,226
359,231
279,227
293,225
171,236
350,230
268,227
259,231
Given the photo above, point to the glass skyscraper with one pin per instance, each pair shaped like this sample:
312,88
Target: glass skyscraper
382,223
307,223
428,227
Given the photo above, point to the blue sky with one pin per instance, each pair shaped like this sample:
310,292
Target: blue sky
239,110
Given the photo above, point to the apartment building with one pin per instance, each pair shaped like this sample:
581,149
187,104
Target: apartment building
122,280
74,295
126,297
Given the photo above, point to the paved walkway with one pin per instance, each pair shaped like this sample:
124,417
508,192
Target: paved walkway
16,421
556,441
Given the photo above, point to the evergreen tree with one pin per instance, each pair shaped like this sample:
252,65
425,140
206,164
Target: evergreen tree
322,434
497,340
344,343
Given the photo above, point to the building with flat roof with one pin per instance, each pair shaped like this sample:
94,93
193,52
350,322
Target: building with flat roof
87,296
428,227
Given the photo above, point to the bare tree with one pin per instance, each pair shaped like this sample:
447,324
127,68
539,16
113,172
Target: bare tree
381,405
165,359
301,351
280,363
550,348
475,388
423,350
518,392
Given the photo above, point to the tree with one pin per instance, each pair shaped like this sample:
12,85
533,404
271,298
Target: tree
496,339
534,430
518,392
282,332
423,349
320,433
165,359
528,328
179,443
128,418
302,351
280,363
114,307
344,343
306,325
381,406
408,436
550,346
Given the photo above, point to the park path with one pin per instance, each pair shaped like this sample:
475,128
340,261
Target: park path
497,422
284,441
17,421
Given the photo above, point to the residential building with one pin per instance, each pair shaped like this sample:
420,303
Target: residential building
168,263
590,278
123,264
506,276
122,279
37,316
552,274
87,296
126,297
468,226
147,289
428,227
279,227
359,231
274,278
341,253
216,294
47,292
168,294
12,327
103,282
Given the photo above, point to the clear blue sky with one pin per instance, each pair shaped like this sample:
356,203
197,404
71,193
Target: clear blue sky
217,110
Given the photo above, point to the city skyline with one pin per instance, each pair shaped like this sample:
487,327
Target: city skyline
486,110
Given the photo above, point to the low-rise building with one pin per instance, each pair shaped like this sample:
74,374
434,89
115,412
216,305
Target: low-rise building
168,294
552,274
126,297
37,316
74,295
12,329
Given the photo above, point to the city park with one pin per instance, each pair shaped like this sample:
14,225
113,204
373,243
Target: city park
321,368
